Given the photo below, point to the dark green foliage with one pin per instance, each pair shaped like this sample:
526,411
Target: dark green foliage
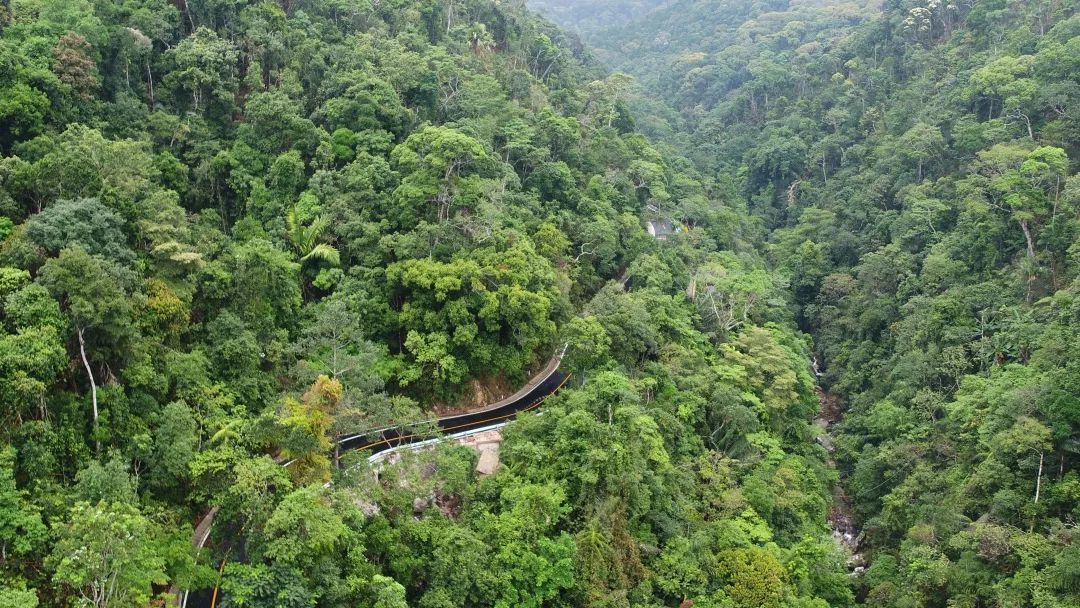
913,170
232,232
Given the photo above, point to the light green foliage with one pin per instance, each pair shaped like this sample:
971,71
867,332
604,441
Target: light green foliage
81,162
587,345
302,528
489,310
109,483
442,170
91,295
30,361
108,555
11,597
752,577
388,592
771,375
204,69
21,529
254,490
305,425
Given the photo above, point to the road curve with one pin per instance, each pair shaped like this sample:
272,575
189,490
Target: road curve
540,387
529,397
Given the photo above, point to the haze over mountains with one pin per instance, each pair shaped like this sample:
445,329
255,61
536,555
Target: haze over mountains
593,17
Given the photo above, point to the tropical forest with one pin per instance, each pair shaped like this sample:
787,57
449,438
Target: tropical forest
539,303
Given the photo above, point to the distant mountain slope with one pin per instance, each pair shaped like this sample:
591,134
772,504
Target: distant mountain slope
691,53
588,18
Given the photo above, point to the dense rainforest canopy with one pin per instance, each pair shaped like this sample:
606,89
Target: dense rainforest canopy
235,231
909,167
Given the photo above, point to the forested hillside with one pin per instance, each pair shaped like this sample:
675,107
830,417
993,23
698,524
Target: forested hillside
594,16
912,172
232,232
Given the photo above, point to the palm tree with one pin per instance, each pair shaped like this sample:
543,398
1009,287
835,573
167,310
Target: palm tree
306,240
227,433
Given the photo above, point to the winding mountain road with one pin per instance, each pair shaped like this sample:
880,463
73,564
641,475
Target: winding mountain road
528,397
383,441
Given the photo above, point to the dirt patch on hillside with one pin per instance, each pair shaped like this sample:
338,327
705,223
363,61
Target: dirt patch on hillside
478,394
482,392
